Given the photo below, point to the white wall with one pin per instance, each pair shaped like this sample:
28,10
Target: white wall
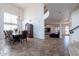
10,8
35,13
1,25
74,38
4,7
74,23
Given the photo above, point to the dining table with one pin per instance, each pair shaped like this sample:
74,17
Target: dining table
17,37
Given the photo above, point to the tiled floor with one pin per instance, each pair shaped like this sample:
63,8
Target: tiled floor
37,47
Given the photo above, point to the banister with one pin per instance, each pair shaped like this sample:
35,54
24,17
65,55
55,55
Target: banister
72,30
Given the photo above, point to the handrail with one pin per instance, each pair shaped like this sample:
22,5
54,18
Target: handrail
72,30
45,8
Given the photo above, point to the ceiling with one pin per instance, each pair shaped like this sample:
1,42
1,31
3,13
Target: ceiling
57,11
24,5
60,11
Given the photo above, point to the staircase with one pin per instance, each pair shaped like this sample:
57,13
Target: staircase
46,11
45,8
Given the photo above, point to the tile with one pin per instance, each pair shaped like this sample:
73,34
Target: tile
36,47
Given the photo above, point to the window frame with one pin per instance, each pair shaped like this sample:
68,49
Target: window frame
8,23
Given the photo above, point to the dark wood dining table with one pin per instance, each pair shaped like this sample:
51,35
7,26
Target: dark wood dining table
17,37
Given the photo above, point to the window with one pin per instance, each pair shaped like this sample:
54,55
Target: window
67,30
10,21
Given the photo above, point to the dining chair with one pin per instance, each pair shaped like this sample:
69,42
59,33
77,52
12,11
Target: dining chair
24,36
5,33
10,37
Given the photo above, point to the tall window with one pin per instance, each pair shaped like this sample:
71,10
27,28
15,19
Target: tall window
67,30
10,21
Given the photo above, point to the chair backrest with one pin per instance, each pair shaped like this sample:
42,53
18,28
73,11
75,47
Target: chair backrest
10,31
9,34
24,34
5,33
